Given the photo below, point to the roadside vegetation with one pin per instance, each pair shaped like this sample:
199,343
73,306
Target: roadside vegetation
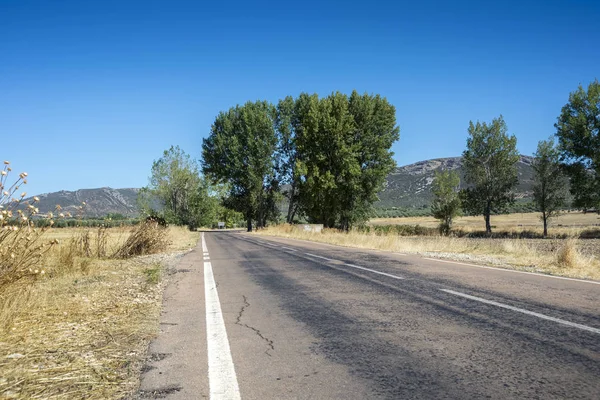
78,306
563,257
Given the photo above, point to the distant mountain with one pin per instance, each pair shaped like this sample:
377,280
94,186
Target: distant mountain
410,185
99,202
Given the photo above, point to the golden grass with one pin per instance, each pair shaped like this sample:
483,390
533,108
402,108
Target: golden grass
546,256
82,331
572,223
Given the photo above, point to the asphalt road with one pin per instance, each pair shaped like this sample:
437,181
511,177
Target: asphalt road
313,321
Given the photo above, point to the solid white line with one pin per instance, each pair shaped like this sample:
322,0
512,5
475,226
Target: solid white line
373,271
510,270
324,258
542,316
221,372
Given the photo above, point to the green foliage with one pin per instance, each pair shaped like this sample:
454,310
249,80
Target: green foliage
181,193
344,155
287,123
446,203
550,185
239,151
115,217
153,274
325,159
578,132
490,169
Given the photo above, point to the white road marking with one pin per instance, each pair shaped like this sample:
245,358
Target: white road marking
373,271
314,255
288,248
221,372
506,306
510,270
356,266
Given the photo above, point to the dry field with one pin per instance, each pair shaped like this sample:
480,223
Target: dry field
81,329
576,258
570,223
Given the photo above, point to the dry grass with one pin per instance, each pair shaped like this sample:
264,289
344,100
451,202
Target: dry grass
558,257
146,238
571,224
81,330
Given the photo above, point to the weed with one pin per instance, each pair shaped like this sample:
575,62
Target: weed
153,274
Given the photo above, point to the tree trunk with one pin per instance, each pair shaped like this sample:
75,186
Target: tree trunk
249,224
291,206
488,226
545,219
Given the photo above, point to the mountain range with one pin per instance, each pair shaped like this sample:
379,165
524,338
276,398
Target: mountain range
408,186
98,202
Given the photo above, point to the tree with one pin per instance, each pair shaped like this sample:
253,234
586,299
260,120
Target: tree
239,151
286,124
446,202
176,191
549,187
343,155
578,132
490,169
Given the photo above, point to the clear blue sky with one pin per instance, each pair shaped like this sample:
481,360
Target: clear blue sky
91,92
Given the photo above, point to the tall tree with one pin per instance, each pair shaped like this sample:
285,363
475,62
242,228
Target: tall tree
176,191
490,169
578,132
446,202
239,151
550,185
344,155
286,124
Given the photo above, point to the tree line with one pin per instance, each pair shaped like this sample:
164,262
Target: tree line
490,166
328,156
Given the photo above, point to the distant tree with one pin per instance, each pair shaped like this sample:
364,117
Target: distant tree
490,169
550,185
446,202
176,191
239,151
578,132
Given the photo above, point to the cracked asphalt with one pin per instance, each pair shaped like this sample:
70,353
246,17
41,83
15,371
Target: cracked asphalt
313,321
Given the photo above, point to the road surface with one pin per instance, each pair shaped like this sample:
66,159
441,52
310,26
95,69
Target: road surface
255,317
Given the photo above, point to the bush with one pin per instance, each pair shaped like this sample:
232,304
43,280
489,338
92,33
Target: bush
146,238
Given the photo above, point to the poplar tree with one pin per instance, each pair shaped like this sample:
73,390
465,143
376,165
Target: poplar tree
490,165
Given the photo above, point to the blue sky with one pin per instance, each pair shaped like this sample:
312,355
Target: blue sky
91,92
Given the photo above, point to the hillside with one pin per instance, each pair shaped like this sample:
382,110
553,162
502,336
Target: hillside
410,185
99,202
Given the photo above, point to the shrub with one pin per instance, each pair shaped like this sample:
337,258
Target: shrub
146,238
568,255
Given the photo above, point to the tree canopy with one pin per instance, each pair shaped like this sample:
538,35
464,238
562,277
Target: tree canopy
177,192
239,151
490,169
578,132
446,202
344,155
550,184
328,156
